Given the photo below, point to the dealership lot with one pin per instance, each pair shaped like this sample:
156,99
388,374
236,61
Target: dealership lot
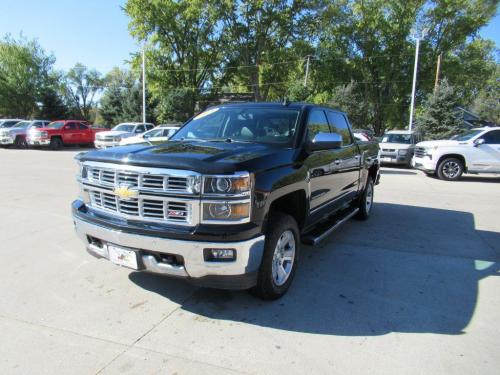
416,289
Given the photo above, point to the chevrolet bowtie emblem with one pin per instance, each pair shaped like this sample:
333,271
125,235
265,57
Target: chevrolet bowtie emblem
125,192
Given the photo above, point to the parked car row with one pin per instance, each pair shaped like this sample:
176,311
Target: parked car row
476,151
57,134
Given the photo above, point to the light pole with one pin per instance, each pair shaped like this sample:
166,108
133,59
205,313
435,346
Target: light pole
415,68
144,83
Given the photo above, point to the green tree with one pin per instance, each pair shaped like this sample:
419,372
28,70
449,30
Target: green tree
26,77
81,86
487,102
438,117
121,100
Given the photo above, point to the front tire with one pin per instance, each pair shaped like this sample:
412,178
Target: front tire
450,169
56,144
20,142
279,261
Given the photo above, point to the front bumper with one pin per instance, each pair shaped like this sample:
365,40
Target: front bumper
395,159
6,141
425,164
105,144
238,274
38,141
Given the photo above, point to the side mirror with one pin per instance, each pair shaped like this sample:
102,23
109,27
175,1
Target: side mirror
479,142
325,141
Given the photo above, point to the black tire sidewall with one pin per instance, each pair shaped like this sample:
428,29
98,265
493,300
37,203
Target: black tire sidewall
363,213
441,165
56,144
277,225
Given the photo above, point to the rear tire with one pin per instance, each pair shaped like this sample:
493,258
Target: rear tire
56,144
450,169
366,201
279,261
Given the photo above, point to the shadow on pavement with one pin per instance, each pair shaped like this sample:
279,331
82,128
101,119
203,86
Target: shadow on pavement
407,269
469,178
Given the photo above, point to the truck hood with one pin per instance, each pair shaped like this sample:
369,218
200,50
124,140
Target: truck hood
202,157
12,131
397,146
443,143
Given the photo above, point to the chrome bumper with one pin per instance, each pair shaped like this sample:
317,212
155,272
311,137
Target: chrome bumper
6,141
38,142
106,144
248,253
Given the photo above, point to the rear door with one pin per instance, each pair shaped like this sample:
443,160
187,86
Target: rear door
86,134
348,160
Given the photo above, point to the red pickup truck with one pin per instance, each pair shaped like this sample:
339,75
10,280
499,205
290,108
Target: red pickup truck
63,132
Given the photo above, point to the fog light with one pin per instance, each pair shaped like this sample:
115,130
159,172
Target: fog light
219,255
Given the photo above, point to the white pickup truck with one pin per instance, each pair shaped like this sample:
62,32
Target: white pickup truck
121,131
476,151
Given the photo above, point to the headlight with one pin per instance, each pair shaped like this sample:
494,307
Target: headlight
402,152
238,184
226,211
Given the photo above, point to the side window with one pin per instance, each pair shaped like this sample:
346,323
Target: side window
140,129
316,123
492,137
82,127
339,126
71,126
149,127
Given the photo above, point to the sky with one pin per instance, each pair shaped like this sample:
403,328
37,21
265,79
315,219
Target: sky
92,32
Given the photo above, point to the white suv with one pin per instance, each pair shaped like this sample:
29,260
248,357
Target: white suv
119,132
476,151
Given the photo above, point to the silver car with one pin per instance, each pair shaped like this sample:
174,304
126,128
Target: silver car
16,134
397,147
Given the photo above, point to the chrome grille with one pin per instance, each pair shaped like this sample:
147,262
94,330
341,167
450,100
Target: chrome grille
141,180
420,152
389,149
142,208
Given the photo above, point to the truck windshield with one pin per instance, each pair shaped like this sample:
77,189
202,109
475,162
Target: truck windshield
242,124
56,125
129,128
8,124
397,138
467,135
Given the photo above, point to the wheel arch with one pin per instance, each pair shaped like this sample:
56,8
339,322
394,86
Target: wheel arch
294,204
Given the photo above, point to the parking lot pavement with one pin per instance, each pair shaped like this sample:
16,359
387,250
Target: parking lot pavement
416,289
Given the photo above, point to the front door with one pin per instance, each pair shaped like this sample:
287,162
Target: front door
323,166
486,157
349,159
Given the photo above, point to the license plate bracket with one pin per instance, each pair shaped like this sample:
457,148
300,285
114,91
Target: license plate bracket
123,257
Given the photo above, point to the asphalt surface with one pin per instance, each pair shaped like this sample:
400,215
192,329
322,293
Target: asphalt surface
415,290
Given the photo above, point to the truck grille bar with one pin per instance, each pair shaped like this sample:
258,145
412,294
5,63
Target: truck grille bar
419,152
153,187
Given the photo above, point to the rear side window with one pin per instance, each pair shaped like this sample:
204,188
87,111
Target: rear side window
82,127
492,137
149,127
140,129
339,125
71,126
316,123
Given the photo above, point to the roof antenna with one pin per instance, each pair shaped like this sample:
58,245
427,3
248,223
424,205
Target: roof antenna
286,101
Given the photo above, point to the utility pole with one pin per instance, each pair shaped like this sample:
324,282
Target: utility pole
414,84
438,70
144,84
307,71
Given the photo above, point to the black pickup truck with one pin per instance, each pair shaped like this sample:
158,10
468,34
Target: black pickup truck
227,201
